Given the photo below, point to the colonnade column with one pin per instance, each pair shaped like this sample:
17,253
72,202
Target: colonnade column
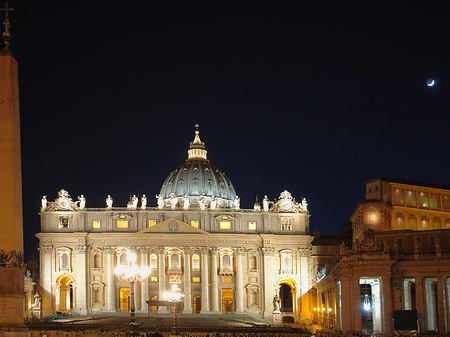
239,252
110,284
144,284
81,289
187,281
161,277
205,280
419,304
46,279
268,286
441,312
214,281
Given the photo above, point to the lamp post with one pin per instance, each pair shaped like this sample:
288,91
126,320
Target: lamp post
132,273
175,296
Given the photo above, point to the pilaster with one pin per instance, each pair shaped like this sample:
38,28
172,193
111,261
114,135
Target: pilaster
239,252
110,285
187,281
268,286
205,280
161,277
144,284
214,281
46,267
81,285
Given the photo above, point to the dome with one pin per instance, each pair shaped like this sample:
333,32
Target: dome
197,183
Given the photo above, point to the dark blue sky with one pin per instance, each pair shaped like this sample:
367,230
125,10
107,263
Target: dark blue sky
315,98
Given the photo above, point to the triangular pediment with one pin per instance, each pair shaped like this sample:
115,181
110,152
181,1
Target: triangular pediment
173,226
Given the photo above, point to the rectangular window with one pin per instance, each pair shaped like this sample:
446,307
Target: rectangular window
96,224
435,201
432,241
63,222
411,198
196,279
398,197
151,223
252,226
226,279
286,224
194,223
423,199
153,278
446,201
122,224
225,225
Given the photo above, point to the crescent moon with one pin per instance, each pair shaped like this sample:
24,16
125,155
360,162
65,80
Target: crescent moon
430,82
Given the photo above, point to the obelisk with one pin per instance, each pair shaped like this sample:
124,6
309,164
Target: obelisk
11,225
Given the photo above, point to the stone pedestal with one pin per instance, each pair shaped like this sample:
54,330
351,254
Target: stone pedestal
36,314
276,318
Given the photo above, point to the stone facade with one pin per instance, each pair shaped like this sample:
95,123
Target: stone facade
391,269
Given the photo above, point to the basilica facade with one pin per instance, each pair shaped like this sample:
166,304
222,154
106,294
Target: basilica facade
197,240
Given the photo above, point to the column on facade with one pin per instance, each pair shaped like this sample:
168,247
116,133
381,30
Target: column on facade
80,274
357,321
419,304
346,305
430,302
239,252
214,281
187,281
441,312
46,278
110,277
144,284
161,277
388,305
205,280
268,286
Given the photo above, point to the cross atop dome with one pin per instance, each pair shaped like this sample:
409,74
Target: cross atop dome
197,147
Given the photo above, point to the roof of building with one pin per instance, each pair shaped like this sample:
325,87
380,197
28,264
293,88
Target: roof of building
410,182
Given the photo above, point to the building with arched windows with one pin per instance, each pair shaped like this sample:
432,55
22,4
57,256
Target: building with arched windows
223,258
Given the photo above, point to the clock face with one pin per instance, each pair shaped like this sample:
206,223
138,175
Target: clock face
63,203
286,204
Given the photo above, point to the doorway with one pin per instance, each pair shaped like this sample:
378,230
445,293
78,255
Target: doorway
227,300
124,299
197,305
286,298
64,295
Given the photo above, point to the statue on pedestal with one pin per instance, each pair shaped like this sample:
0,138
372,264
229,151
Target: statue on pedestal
109,201
44,203
144,202
276,304
82,201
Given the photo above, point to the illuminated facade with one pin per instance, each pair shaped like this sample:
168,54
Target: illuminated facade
223,258
398,266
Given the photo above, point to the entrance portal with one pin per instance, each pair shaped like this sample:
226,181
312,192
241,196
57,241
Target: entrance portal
286,298
64,295
197,305
227,300
371,310
124,299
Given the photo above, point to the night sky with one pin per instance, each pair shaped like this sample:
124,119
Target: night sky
313,97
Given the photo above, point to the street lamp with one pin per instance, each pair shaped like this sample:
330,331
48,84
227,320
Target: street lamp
132,273
175,297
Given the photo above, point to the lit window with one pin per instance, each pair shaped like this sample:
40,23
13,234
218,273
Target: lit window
154,279
286,224
96,224
226,262
194,223
151,223
252,226
123,259
372,217
227,279
153,261
122,216
175,262
122,223
195,262
225,225
196,279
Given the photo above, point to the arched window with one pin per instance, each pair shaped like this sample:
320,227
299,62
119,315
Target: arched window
226,260
153,261
447,223
195,262
123,259
286,261
412,222
436,223
64,261
175,263
424,223
180,187
399,221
